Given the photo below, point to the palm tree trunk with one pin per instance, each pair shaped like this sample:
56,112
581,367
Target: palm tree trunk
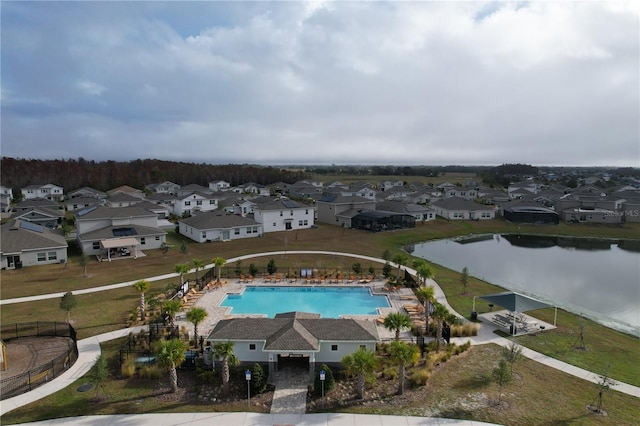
141,306
225,376
401,379
173,377
360,386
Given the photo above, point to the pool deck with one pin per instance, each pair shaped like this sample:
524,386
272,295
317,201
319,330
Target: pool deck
211,300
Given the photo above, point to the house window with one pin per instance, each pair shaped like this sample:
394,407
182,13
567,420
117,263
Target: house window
96,245
42,257
204,235
364,347
187,203
274,224
334,347
291,213
142,240
236,231
199,202
252,346
157,237
307,211
52,255
281,213
212,202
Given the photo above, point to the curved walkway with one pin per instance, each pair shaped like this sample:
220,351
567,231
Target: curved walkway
89,350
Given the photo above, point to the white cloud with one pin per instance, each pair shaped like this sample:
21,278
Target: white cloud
343,82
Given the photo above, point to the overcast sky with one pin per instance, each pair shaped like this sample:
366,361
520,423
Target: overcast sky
402,83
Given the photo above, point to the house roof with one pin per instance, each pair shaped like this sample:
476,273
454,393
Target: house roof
457,203
273,203
118,231
122,197
15,237
36,202
217,220
295,332
113,213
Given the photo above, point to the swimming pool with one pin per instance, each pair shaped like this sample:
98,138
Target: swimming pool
329,302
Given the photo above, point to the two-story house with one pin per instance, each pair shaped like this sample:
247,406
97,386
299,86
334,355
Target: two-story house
196,201
282,214
218,226
219,185
48,191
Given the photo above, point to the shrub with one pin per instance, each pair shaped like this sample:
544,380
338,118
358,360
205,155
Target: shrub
329,381
390,373
464,330
420,377
152,372
128,368
258,379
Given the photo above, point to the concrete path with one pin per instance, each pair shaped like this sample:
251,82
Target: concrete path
290,396
89,350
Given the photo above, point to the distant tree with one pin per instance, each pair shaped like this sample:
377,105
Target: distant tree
218,263
356,268
170,354
183,247
181,269
253,269
426,295
397,321
579,343
464,279
195,316
386,270
400,260
271,267
360,364
511,354
141,287
67,303
440,314
604,384
424,273
164,248
501,376
172,307
238,269
198,264
386,255
100,373
402,354
83,264
372,270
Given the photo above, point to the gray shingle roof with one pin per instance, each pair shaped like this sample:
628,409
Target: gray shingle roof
14,239
295,334
217,220
116,212
107,232
457,203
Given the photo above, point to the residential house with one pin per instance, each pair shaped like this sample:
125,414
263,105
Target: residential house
360,190
6,192
162,199
36,203
303,337
80,203
522,189
48,191
469,194
219,185
387,185
121,199
102,230
88,192
27,244
6,195
338,210
49,218
166,187
126,189
218,226
456,208
191,188
395,192
419,212
252,188
282,214
195,201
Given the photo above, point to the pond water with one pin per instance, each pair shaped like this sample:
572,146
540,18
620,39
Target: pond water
597,278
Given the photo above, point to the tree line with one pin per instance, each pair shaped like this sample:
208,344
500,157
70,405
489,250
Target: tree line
105,175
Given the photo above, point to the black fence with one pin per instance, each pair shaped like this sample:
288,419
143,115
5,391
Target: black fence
36,376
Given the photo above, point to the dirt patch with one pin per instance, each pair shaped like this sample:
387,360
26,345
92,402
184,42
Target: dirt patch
25,353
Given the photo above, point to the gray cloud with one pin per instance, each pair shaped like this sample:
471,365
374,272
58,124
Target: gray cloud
347,82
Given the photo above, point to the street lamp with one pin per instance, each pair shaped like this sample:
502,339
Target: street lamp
322,377
247,374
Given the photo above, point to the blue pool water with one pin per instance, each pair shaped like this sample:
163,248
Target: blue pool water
329,302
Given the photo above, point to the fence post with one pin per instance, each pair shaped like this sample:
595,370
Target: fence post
29,378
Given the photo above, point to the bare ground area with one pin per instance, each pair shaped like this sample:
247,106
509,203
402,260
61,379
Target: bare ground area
25,353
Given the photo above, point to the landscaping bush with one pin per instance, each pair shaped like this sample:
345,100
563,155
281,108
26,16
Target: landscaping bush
128,368
464,330
152,372
420,377
329,381
390,373
258,379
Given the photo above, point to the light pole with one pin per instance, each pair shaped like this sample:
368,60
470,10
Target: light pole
247,374
322,377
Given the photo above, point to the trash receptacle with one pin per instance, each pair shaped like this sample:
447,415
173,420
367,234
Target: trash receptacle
474,315
512,329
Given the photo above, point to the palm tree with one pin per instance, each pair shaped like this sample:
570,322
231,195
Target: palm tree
397,321
400,260
181,268
440,314
172,307
424,273
195,316
219,262
170,354
142,287
402,353
224,351
360,364
427,296
198,264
